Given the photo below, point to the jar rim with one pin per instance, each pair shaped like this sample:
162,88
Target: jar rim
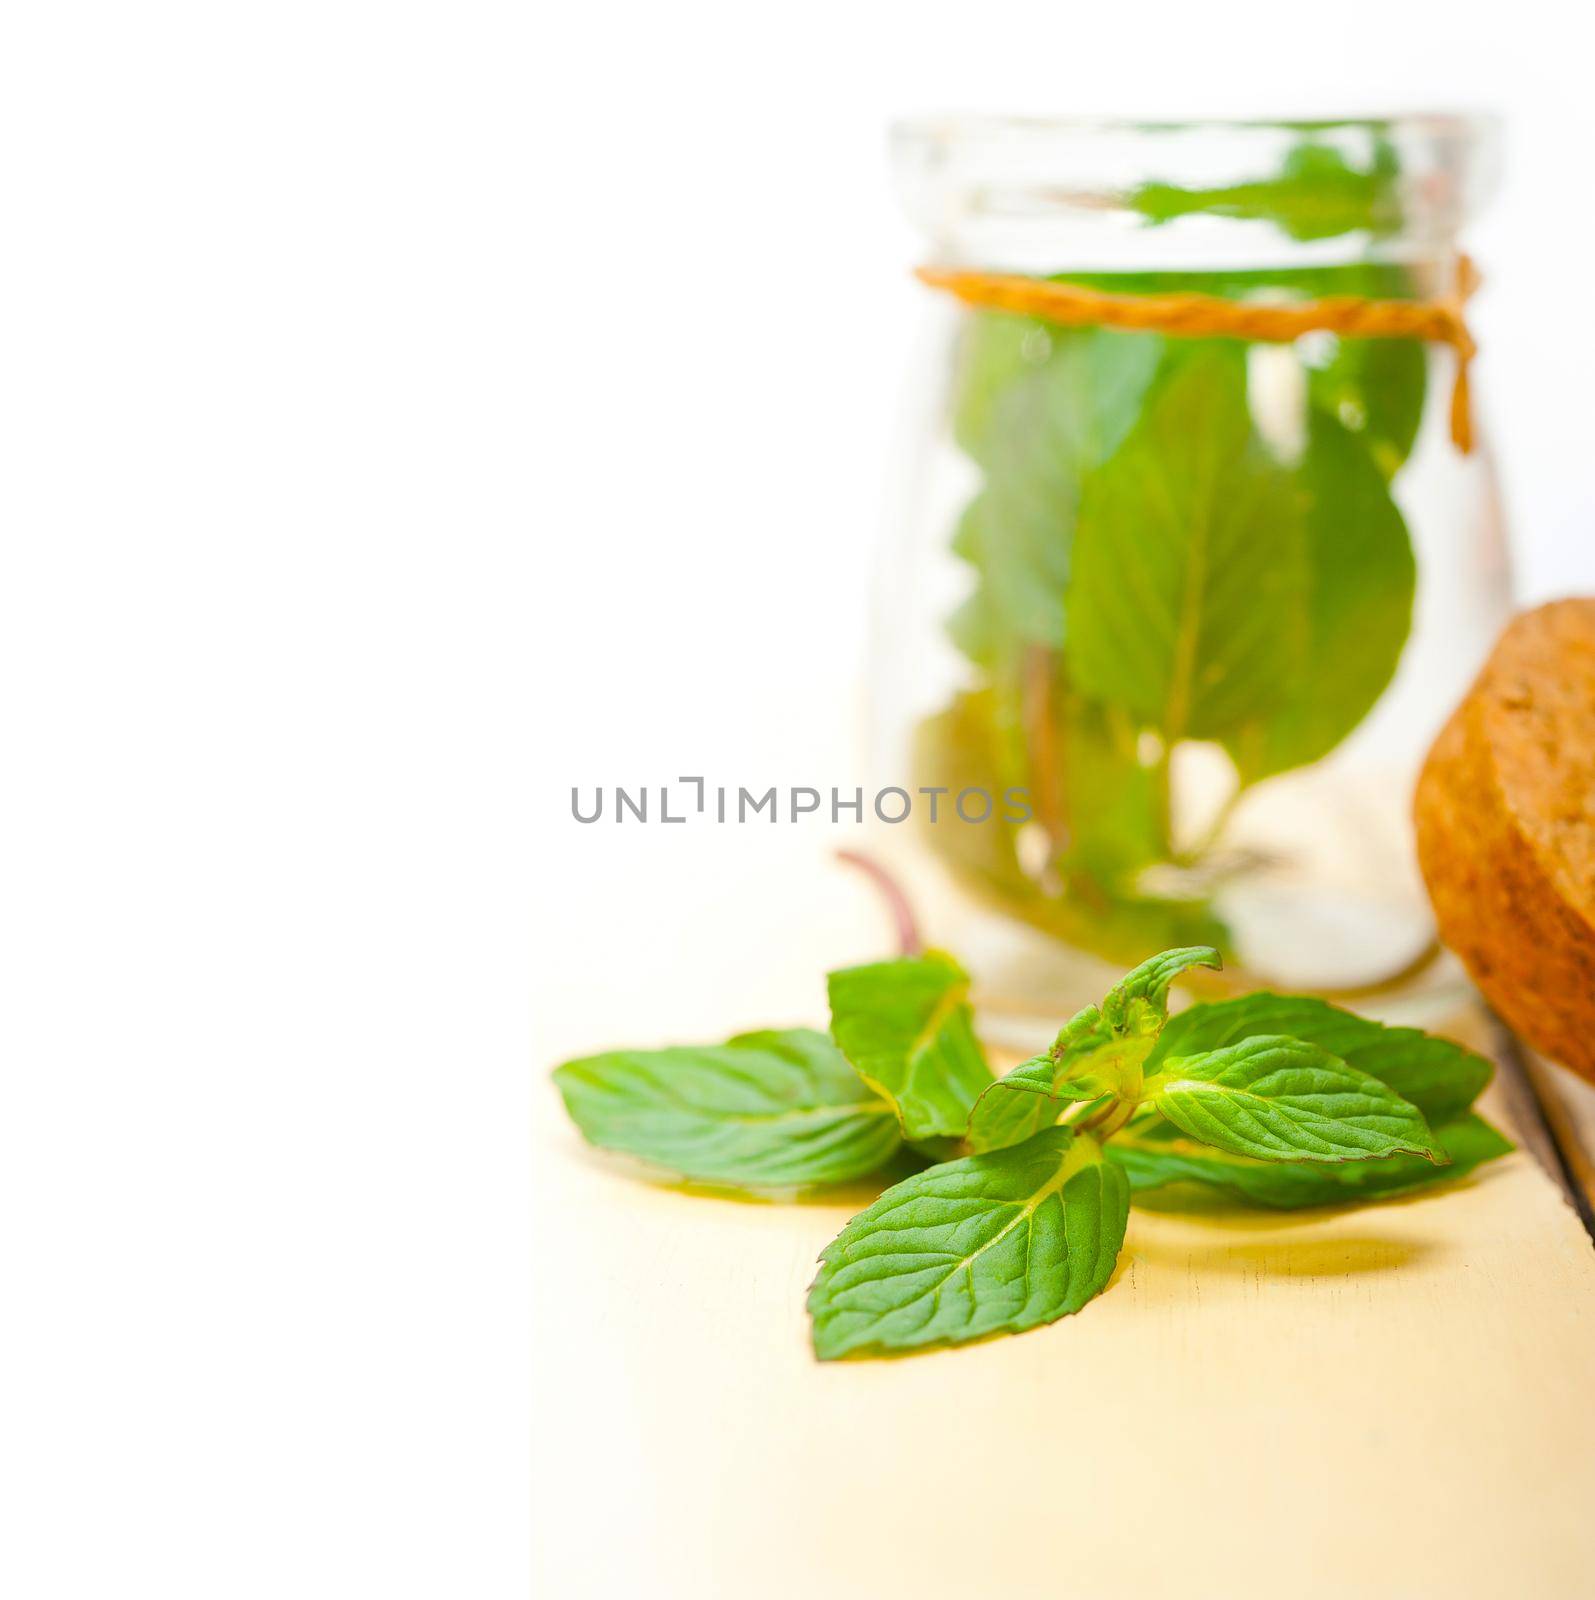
984,185
1461,125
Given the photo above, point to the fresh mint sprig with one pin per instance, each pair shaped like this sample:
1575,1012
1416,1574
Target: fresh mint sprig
1019,1212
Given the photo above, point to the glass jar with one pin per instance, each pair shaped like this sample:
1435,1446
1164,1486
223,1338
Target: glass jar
1187,609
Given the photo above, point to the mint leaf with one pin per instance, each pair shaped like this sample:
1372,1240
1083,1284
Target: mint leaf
1376,387
763,1111
1358,611
1441,1078
961,747
1021,1103
994,351
1115,809
1074,391
993,1243
1038,407
1282,1099
1157,1154
1139,1002
906,1028
1318,194
1087,1061
967,746
1188,593
1098,1052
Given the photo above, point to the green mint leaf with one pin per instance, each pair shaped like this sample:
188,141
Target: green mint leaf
1318,194
763,1111
1376,387
1282,1099
1021,1104
967,745
994,352
906,1028
1073,392
1115,808
1188,594
1158,1154
960,748
1139,1002
1440,1078
990,1244
1358,612
1038,407
1098,1052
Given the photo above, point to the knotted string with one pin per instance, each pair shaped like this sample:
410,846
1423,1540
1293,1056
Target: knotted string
1190,315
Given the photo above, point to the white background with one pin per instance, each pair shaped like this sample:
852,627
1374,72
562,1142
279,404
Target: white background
410,411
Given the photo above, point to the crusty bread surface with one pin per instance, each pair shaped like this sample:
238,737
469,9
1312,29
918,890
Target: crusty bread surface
1505,813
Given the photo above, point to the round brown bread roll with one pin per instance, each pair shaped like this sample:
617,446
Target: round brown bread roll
1505,813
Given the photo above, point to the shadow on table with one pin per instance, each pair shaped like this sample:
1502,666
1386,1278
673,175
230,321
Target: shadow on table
1358,1255
1221,1208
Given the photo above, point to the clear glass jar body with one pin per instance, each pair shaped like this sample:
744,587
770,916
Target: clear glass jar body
1188,609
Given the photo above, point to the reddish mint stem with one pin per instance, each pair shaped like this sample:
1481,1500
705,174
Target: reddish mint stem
909,942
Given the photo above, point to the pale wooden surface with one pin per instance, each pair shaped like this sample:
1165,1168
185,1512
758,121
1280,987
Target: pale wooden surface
1568,1108
1396,1400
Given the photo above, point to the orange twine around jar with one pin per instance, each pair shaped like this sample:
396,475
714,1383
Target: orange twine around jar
1191,315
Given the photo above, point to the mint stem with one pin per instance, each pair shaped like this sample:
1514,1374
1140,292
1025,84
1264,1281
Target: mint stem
909,942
